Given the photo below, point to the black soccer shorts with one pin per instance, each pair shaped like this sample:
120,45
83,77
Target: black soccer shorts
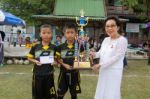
43,87
69,80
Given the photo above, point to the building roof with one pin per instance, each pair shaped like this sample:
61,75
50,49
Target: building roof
70,18
64,17
92,8
70,9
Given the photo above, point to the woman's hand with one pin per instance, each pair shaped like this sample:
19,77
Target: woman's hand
95,67
92,54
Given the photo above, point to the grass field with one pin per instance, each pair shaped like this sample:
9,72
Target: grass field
15,82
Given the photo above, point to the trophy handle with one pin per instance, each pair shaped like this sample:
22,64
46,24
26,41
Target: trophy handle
86,21
77,19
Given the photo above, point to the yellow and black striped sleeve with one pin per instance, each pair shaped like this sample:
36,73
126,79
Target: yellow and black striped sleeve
31,54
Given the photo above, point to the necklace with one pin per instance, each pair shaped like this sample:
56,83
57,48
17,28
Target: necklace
112,41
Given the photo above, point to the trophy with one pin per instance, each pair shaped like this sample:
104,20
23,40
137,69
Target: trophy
82,60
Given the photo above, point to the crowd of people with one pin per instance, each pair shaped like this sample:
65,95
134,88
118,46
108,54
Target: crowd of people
20,39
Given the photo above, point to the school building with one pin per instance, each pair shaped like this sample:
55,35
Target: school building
96,11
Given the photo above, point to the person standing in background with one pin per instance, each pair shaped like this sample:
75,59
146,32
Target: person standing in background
148,52
125,62
2,37
58,40
91,42
19,38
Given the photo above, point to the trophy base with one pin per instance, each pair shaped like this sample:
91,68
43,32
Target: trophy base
82,65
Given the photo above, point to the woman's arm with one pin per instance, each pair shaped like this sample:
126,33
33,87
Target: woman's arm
120,52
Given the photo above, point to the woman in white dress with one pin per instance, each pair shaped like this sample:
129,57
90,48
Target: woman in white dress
111,56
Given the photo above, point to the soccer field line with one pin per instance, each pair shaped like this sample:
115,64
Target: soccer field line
89,75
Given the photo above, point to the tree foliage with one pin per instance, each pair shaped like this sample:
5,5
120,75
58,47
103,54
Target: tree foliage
141,7
26,8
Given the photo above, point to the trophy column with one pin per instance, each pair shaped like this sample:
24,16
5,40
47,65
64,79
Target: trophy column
82,58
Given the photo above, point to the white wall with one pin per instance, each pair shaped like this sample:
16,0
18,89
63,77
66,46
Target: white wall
10,29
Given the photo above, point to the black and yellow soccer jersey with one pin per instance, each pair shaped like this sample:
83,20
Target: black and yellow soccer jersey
40,50
67,54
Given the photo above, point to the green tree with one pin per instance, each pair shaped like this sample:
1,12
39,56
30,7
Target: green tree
26,8
140,7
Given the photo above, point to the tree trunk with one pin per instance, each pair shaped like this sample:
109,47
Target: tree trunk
146,2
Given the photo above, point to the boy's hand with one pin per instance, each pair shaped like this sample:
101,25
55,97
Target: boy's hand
96,67
37,63
68,67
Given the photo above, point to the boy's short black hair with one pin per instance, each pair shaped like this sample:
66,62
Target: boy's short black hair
46,26
70,26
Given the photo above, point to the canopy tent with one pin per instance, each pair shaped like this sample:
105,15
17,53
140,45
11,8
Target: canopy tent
10,19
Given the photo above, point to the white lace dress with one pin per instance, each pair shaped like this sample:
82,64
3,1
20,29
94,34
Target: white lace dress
111,56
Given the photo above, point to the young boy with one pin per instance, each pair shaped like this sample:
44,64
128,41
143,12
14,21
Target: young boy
68,77
43,77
